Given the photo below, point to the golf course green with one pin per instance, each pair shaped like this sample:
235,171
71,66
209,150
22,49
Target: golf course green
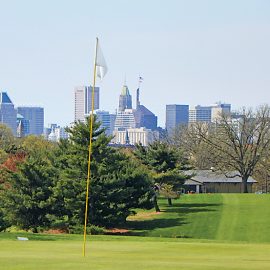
207,231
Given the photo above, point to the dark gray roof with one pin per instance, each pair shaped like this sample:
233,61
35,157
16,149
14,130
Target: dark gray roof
208,176
190,182
143,110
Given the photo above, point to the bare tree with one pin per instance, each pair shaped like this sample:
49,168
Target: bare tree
262,175
192,145
235,143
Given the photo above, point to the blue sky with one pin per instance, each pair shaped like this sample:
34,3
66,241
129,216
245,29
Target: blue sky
189,52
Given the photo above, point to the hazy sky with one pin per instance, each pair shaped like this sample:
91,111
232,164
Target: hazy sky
189,52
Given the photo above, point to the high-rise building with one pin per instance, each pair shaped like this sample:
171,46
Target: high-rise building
143,116
125,99
176,115
218,109
35,116
208,114
23,126
83,101
125,119
112,122
192,115
8,114
200,114
107,121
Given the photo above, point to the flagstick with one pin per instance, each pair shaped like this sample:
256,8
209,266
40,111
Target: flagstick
91,119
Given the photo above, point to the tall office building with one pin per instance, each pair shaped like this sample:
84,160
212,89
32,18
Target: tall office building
112,122
35,116
200,114
218,109
125,119
83,101
125,99
176,115
8,114
23,126
107,121
143,116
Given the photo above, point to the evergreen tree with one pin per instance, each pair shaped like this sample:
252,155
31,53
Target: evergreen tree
117,186
166,163
27,197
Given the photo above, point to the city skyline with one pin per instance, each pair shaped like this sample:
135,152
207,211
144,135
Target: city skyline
189,52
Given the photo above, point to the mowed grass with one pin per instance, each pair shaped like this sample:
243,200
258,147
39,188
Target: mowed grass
132,253
206,231
229,217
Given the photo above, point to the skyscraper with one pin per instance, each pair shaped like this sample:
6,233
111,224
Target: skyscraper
8,114
125,99
107,121
176,115
143,116
218,109
23,126
125,119
200,114
83,101
35,116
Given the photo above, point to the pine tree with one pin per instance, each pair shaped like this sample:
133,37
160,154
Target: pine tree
27,197
166,163
117,186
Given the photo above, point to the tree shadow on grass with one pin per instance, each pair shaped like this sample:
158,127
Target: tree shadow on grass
188,208
141,227
152,224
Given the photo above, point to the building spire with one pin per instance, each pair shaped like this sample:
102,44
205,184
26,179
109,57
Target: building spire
138,92
138,98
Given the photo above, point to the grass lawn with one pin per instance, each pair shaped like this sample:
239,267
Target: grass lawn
229,217
111,252
206,231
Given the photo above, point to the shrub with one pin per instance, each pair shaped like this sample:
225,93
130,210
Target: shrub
92,229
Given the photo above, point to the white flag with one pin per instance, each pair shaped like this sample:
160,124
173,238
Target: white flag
100,63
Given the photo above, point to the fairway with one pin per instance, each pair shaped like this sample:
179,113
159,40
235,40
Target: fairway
206,231
229,217
109,252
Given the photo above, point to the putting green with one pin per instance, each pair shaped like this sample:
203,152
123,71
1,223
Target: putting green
132,253
207,231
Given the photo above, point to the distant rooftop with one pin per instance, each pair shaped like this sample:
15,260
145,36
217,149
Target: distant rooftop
208,176
4,98
19,116
144,110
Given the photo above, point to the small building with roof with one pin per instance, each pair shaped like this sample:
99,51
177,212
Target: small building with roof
208,181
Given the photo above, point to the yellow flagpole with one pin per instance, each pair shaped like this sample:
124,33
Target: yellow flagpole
91,119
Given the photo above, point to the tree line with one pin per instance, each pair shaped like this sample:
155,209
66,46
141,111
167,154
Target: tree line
43,184
236,144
